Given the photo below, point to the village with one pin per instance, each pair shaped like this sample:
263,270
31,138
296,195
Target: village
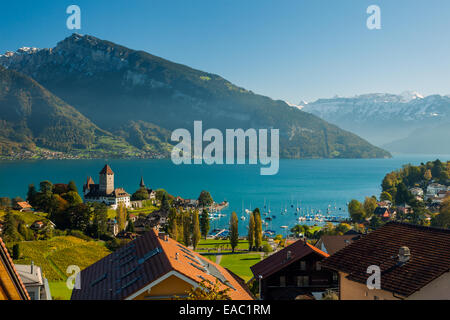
151,245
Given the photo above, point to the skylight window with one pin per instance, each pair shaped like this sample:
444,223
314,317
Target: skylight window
100,279
149,254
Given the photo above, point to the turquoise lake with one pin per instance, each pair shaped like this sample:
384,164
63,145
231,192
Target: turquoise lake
312,184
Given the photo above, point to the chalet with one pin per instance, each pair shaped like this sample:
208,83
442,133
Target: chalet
104,192
23,206
385,204
34,281
384,213
414,262
404,208
294,271
153,267
332,244
11,285
417,192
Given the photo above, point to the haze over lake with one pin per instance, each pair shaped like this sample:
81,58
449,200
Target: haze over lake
311,184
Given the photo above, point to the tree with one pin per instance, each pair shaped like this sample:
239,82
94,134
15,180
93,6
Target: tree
375,222
73,198
355,210
204,223
427,175
342,228
208,290
370,204
165,206
10,232
403,195
80,216
46,187
251,231
442,220
258,229
196,234
187,223
234,232
140,194
173,224
99,225
121,215
5,202
130,226
205,199
31,195
16,251
385,196
72,186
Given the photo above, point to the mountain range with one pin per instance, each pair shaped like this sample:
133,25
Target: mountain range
405,123
117,96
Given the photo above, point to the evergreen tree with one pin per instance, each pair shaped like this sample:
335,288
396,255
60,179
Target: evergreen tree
99,225
258,229
31,195
72,186
205,199
121,216
204,223
234,233
251,231
187,223
16,251
196,234
375,222
173,224
164,204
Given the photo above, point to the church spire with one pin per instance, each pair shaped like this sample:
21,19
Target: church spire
142,184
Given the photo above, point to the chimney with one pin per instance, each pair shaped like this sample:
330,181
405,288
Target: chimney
32,267
176,255
163,236
404,255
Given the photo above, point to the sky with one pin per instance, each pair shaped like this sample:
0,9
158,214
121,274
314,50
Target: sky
291,49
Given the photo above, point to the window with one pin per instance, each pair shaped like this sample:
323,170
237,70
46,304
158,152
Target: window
303,265
282,281
335,276
318,266
302,281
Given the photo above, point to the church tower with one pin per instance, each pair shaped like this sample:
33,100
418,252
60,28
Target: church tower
106,180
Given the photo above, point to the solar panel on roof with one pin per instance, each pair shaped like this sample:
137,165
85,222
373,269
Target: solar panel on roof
130,272
127,261
150,254
197,266
128,284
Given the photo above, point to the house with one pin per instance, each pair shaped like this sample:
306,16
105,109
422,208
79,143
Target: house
385,203
417,192
37,225
404,208
414,262
23,206
34,281
11,285
331,244
112,226
293,271
443,194
154,267
104,192
384,213
434,188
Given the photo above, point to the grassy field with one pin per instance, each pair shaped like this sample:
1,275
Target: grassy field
28,217
240,263
211,245
143,211
59,290
56,254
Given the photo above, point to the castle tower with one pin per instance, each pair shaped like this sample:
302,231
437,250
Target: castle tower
106,180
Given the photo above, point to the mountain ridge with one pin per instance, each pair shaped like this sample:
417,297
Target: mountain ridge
113,85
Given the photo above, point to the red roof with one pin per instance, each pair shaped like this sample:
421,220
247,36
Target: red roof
430,256
106,170
9,264
278,260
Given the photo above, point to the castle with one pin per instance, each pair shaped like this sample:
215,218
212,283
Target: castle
104,192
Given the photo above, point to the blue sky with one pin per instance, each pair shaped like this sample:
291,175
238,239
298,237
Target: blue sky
289,49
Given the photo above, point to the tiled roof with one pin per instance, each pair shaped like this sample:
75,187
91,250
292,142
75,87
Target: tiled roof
9,264
144,260
106,170
24,205
335,243
279,260
430,257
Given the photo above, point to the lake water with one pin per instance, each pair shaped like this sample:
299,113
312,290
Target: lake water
312,184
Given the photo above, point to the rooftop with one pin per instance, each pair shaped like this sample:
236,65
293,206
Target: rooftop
430,256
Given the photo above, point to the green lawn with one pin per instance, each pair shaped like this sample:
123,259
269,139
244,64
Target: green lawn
59,290
28,217
240,263
224,245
